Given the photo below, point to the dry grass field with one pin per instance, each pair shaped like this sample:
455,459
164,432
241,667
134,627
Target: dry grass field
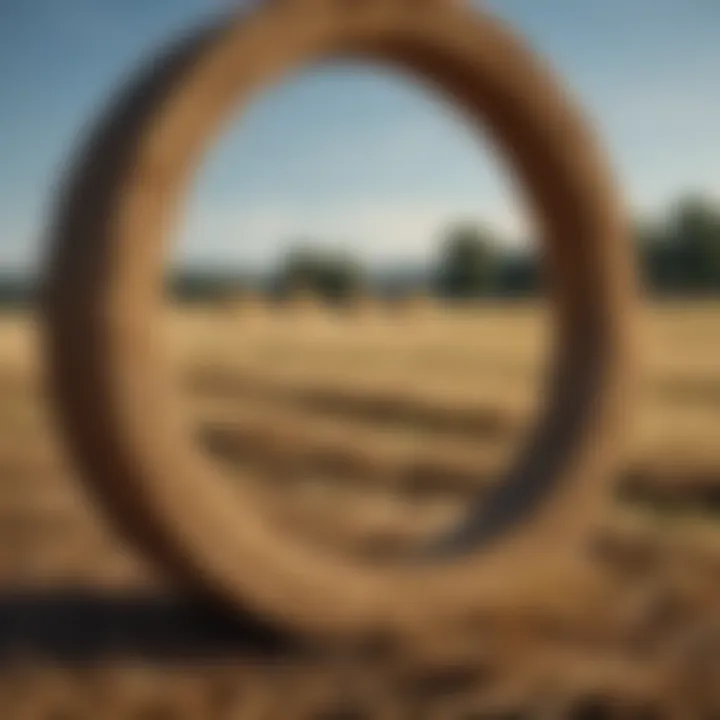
363,432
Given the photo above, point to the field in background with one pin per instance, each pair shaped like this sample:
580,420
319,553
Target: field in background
362,431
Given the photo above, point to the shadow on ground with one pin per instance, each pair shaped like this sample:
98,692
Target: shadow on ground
87,626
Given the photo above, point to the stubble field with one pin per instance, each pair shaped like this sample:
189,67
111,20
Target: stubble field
363,432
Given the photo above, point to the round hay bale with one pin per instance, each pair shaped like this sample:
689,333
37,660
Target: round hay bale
519,550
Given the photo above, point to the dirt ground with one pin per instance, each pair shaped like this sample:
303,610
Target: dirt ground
364,431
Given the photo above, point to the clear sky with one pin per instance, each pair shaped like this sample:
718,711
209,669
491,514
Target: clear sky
346,155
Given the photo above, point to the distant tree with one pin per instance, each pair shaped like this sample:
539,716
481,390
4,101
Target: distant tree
17,289
681,255
468,262
656,257
330,275
519,274
694,234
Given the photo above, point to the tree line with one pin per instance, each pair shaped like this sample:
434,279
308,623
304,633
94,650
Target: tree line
678,255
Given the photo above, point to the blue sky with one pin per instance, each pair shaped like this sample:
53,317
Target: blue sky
346,155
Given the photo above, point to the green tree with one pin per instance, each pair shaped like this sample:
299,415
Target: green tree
468,262
694,234
656,256
682,254
519,274
331,275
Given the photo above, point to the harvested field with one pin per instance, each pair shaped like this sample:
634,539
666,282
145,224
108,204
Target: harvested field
364,433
